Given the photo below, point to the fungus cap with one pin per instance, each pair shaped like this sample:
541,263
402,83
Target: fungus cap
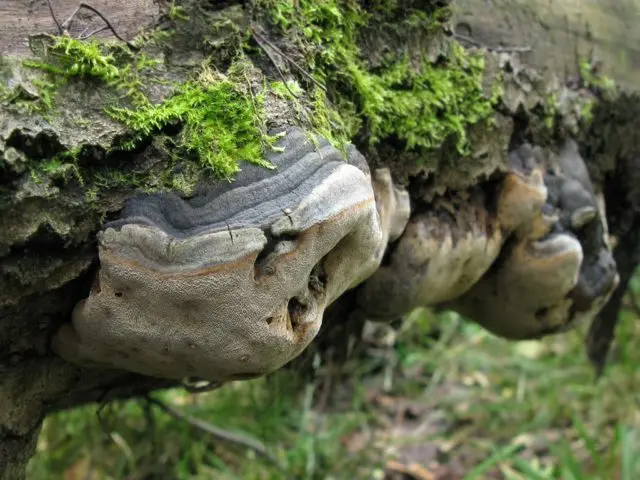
437,258
558,270
535,263
232,283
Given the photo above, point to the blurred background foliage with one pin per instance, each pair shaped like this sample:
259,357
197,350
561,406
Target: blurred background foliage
445,400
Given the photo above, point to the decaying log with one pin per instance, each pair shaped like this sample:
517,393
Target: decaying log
20,19
557,35
78,185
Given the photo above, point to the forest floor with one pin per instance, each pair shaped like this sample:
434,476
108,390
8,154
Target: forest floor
447,401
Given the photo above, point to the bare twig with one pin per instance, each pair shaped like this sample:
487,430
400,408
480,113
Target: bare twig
261,38
476,43
514,49
151,426
91,34
86,29
108,23
465,38
55,19
273,61
62,27
223,435
327,382
66,23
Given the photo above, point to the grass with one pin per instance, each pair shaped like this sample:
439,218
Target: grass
130,441
448,394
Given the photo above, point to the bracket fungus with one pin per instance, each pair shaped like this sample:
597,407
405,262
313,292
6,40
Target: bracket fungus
532,264
233,283
441,254
561,270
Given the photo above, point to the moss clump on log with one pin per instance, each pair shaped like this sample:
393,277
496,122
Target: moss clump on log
420,96
221,125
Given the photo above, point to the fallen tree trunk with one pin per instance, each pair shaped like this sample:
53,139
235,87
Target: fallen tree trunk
85,127
557,36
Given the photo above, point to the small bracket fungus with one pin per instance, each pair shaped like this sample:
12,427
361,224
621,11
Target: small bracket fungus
533,263
560,271
392,202
522,196
440,255
233,283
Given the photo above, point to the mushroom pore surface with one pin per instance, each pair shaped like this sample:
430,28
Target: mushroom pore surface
232,283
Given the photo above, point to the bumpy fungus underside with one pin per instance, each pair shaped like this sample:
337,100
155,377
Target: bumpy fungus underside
233,283
558,273
536,266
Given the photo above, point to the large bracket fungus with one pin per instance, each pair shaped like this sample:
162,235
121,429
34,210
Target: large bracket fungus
534,263
233,283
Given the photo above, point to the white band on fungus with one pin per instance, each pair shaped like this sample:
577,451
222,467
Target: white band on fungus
232,283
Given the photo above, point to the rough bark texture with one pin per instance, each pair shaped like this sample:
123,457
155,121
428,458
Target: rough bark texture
558,33
49,213
19,19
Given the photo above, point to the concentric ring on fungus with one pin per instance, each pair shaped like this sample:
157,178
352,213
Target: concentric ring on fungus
232,283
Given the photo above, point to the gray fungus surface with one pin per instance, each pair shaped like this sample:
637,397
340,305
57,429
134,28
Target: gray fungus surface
233,283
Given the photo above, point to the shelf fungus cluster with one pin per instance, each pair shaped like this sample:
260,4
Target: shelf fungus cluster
233,283
532,261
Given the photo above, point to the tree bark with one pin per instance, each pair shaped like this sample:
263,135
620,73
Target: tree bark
51,210
557,34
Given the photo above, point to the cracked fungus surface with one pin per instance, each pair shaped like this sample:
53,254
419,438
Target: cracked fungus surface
232,283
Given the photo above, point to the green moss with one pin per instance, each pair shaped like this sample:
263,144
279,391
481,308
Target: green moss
417,99
177,13
425,106
550,112
591,78
409,97
62,167
64,58
74,58
581,102
47,92
288,91
219,123
337,125
38,100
